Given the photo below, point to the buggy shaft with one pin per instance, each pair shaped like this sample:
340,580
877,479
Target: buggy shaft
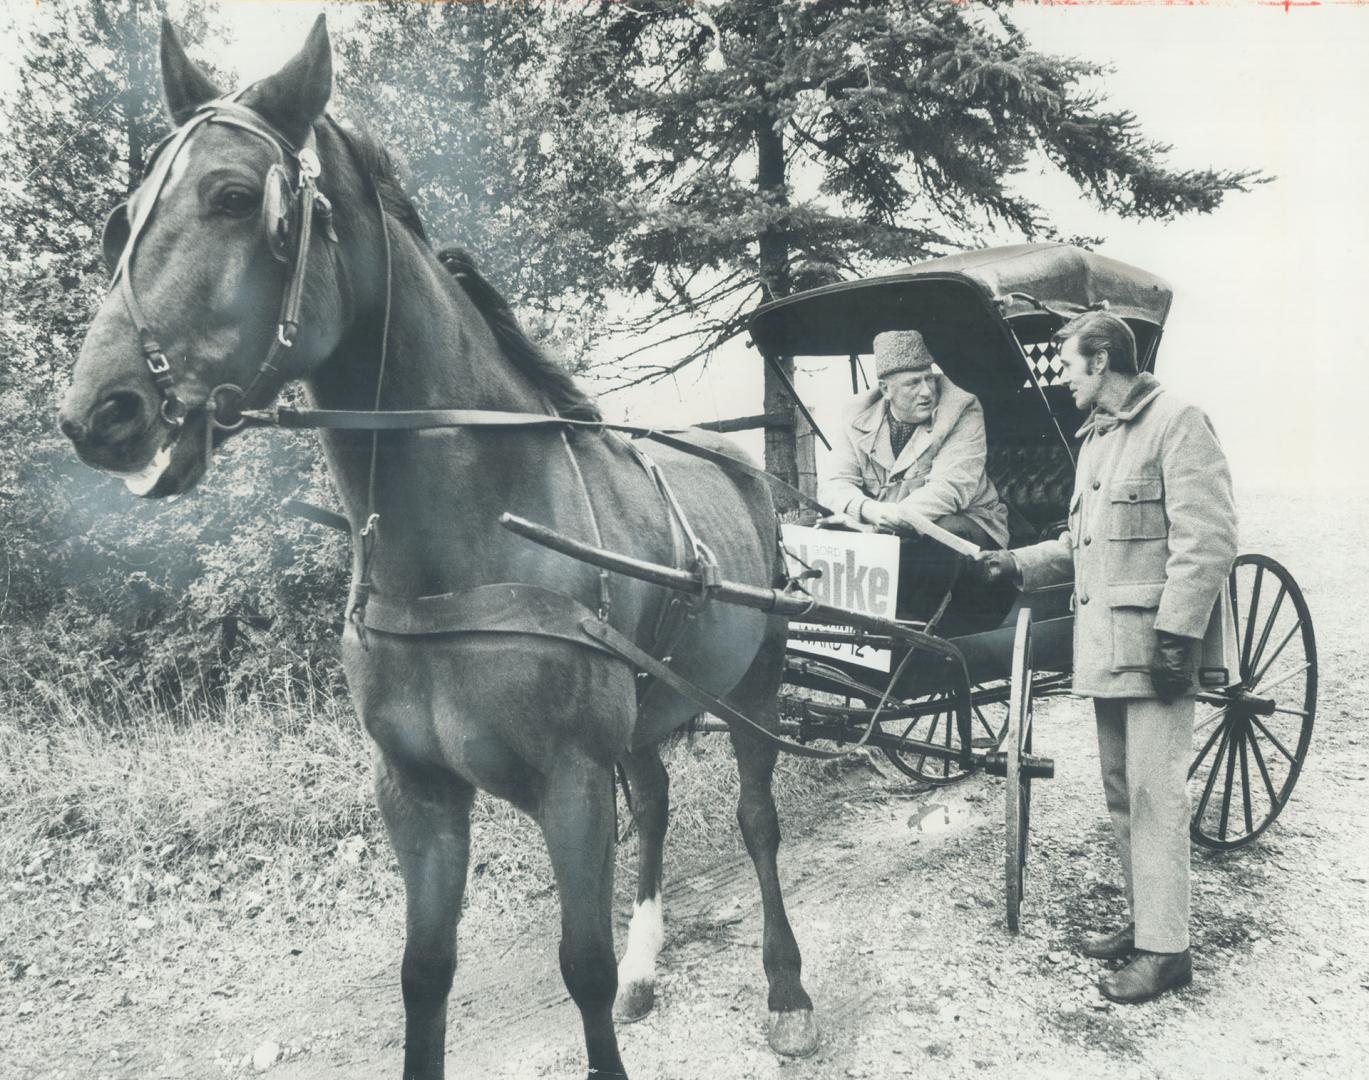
771,600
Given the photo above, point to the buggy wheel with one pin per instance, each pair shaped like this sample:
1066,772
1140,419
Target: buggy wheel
1018,793
940,729
1252,737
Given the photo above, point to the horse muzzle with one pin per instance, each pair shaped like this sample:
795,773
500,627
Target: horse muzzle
126,432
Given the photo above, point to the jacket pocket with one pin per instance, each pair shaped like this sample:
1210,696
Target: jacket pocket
1137,510
1133,608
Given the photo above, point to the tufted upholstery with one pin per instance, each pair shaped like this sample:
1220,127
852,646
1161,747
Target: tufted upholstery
1035,479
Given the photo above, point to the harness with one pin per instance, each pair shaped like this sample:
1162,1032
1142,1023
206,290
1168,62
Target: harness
516,608
288,212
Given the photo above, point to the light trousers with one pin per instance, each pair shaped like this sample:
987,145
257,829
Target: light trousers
1145,748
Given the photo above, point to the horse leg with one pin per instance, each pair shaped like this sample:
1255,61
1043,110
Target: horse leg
429,826
650,786
793,1031
576,817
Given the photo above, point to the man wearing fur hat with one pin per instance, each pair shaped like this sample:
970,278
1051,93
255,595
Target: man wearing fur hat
1150,540
914,448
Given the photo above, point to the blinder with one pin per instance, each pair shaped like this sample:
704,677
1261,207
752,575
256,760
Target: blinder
279,211
114,236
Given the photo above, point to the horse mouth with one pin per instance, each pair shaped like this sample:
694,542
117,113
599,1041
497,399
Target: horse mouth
176,467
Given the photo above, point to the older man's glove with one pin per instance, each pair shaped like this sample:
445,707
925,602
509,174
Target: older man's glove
991,567
1171,668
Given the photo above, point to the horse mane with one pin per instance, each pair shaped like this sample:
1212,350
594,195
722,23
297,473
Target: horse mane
565,397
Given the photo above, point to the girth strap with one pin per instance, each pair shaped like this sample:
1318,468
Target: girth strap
505,608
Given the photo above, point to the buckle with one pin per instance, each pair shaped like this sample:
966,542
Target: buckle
308,163
157,363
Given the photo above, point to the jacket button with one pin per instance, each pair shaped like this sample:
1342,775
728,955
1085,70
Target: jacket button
1096,485
1131,496
1088,540
1083,599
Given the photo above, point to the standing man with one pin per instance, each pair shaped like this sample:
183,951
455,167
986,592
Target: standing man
1150,540
912,448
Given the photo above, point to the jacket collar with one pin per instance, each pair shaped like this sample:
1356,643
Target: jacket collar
1145,389
872,431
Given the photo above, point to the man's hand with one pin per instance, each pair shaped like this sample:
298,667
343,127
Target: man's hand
876,513
1171,668
991,567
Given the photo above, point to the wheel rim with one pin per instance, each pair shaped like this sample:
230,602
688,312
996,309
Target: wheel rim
1246,765
940,728
1017,797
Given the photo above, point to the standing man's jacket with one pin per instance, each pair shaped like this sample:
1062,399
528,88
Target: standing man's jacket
1151,538
940,471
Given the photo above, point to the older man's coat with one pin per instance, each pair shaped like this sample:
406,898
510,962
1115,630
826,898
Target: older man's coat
1151,538
939,472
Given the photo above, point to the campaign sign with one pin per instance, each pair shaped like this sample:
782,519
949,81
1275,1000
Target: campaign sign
859,571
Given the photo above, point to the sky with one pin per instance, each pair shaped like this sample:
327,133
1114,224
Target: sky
1265,332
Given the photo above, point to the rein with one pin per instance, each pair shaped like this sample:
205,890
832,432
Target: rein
438,419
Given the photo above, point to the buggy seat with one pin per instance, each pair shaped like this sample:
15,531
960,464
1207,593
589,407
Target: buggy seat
1031,469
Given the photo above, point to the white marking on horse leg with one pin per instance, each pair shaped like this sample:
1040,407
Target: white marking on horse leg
637,969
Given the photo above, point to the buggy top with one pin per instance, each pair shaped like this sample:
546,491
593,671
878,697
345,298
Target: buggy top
986,315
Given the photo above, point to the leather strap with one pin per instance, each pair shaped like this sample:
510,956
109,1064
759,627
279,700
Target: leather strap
616,643
433,419
504,608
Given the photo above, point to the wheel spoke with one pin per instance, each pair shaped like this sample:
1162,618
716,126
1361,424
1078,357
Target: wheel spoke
1245,786
1230,783
988,728
1212,776
1255,679
946,761
1198,761
1270,736
1264,690
1264,770
1209,720
1247,662
1269,624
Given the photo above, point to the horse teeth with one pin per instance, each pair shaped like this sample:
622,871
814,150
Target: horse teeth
145,479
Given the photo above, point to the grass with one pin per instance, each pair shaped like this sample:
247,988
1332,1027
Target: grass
268,800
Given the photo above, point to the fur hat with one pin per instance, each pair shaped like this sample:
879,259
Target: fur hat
900,350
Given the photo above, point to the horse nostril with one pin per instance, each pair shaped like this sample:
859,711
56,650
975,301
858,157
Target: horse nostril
115,415
73,430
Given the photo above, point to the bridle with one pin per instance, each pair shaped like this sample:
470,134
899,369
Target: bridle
288,211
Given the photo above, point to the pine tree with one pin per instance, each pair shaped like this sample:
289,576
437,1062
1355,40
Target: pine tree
497,161
787,143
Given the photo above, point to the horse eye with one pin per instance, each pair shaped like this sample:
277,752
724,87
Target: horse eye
237,202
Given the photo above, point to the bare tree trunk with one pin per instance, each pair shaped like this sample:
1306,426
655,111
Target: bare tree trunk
780,454
133,57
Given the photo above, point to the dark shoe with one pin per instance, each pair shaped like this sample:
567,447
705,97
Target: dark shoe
1148,976
1114,945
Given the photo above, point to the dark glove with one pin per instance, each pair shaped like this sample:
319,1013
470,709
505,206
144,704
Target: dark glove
1171,668
991,567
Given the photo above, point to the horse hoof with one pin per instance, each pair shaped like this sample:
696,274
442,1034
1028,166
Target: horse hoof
634,1001
793,1034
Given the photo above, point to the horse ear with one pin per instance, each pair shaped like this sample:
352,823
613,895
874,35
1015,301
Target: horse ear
184,85
295,96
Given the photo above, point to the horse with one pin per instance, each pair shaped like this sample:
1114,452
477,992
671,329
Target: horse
372,319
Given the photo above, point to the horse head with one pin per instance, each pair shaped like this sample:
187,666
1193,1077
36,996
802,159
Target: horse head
206,255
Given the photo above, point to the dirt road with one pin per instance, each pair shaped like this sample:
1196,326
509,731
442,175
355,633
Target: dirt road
896,901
